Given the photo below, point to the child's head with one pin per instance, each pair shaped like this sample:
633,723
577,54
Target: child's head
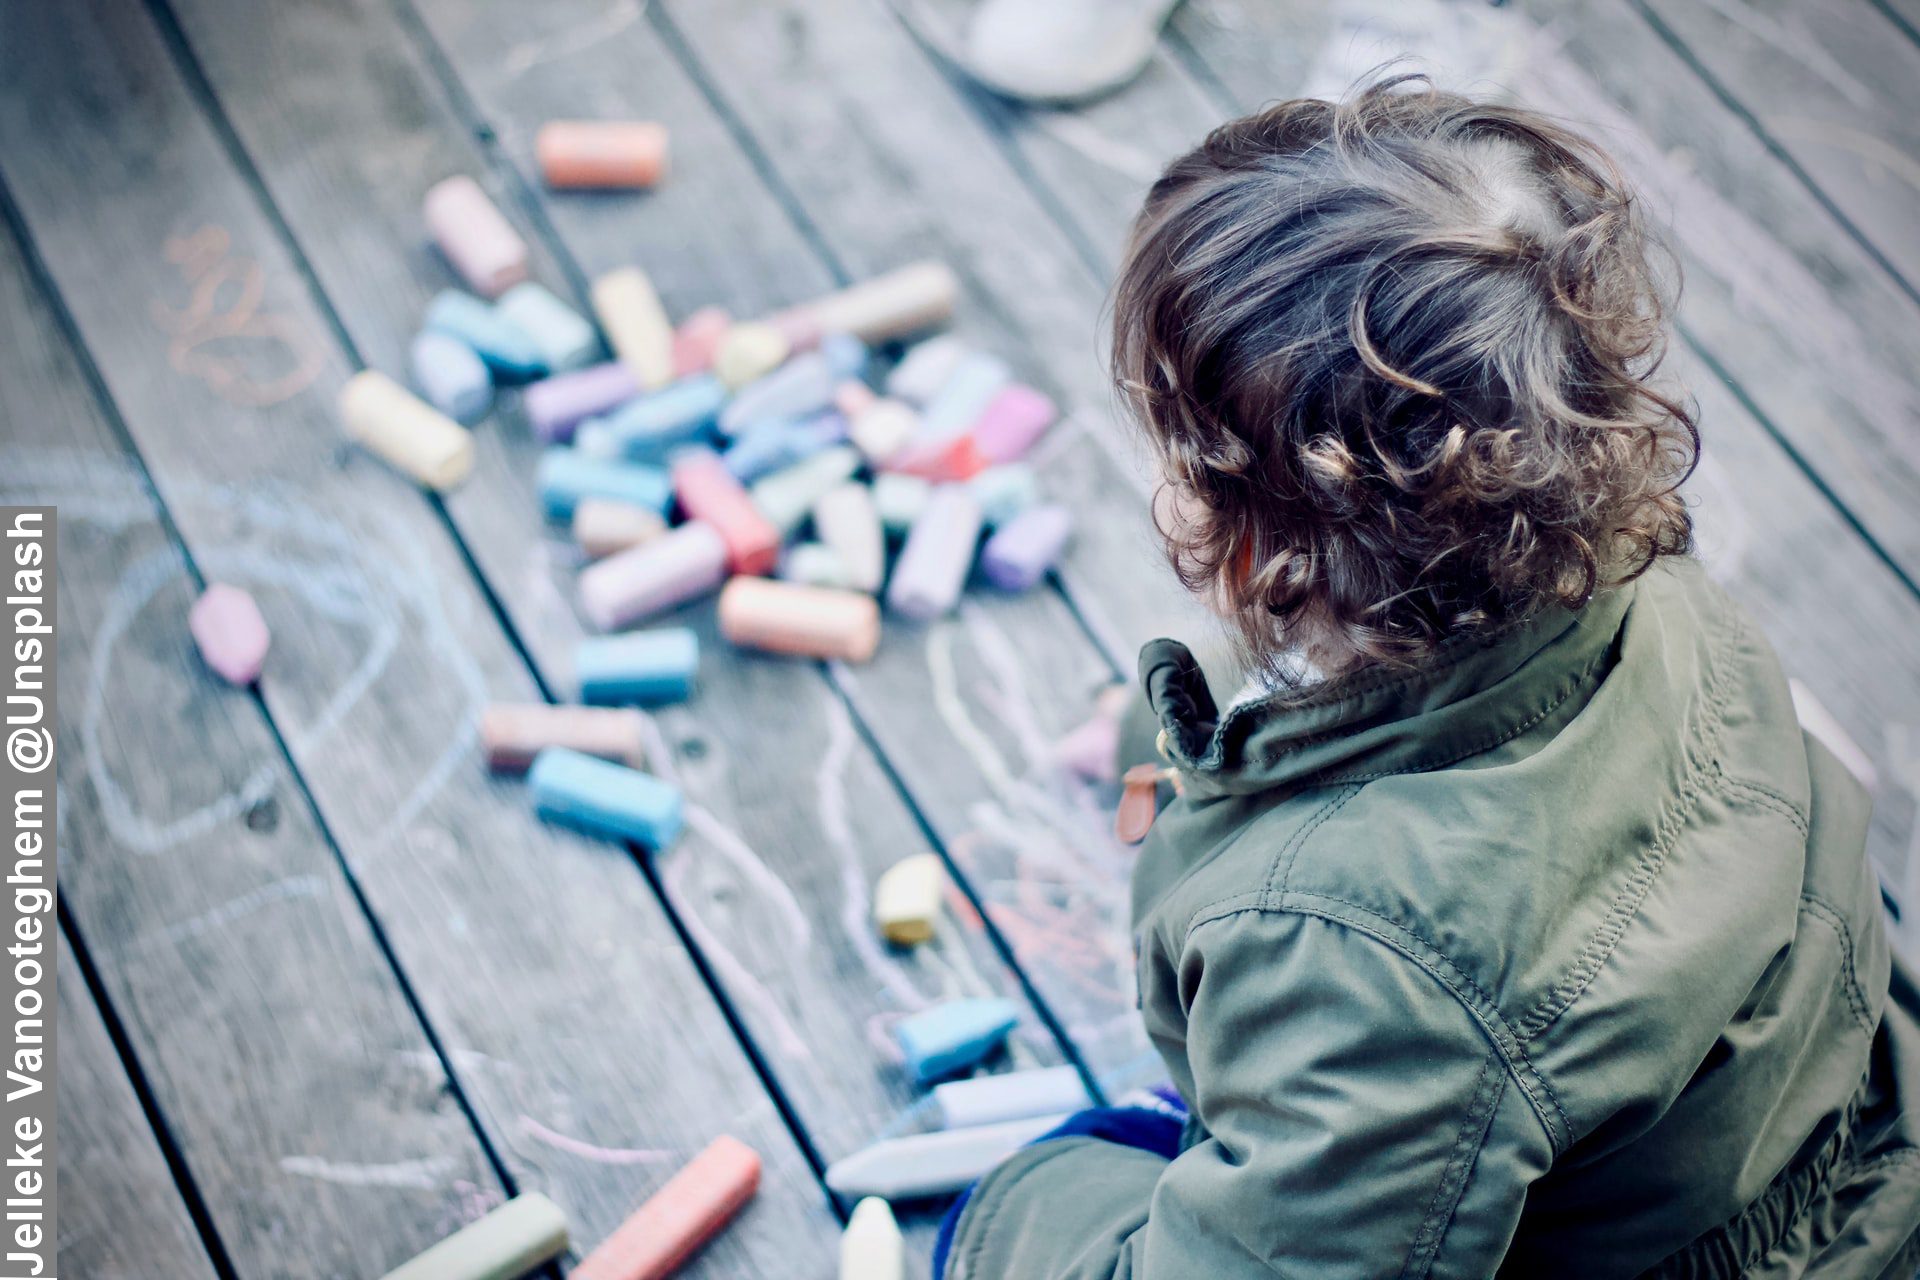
1393,354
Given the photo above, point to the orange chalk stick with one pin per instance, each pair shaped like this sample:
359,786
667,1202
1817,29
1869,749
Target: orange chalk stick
708,491
514,733
680,1217
812,622
601,153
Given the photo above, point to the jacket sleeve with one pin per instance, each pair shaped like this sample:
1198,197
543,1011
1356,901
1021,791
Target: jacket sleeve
1350,1103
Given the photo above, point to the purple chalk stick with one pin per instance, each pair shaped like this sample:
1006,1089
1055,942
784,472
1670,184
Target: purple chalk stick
1020,554
555,406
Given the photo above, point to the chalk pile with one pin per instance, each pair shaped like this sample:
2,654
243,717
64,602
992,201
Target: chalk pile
763,462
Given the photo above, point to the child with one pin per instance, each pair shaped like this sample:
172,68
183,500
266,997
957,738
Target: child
1529,934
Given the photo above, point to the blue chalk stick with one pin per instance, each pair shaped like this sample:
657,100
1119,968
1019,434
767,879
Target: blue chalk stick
568,475
641,666
954,1036
450,376
803,385
964,396
604,798
506,348
651,427
846,355
775,446
563,336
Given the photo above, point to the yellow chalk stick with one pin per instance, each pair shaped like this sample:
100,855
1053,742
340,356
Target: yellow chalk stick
906,901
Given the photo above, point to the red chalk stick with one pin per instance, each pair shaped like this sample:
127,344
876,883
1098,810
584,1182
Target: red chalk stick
709,492
680,1217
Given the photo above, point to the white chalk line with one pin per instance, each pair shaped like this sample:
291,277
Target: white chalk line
426,1174
290,889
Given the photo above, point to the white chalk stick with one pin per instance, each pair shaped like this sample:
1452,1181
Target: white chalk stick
932,1164
636,325
1009,1095
506,1244
871,1248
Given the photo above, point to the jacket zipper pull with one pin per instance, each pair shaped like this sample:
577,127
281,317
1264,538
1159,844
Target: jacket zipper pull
1139,802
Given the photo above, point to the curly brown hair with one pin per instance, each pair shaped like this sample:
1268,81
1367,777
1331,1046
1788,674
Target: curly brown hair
1395,354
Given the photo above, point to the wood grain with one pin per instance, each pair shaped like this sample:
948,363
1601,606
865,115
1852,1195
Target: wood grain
543,960
276,1039
121,1217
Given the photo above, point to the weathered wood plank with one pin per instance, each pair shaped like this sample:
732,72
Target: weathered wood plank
766,750
1835,87
590,1047
121,1216
272,1032
1778,297
1841,620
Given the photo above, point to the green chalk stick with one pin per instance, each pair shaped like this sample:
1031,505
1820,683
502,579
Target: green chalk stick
506,1244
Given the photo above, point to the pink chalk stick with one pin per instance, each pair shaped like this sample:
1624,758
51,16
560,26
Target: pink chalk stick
232,636
1092,750
697,338
1012,421
708,491
480,243
654,576
679,1218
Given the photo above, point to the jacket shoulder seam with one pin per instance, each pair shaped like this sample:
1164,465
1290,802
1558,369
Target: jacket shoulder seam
1488,1088
1831,916
1479,1006
1767,798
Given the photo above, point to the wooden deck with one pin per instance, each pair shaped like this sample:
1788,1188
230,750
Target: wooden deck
327,989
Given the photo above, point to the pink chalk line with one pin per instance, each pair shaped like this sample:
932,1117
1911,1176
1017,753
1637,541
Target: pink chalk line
587,1150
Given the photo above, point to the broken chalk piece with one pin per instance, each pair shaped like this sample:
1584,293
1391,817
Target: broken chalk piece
954,458
649,667
676,567
230,633
1004,492
1021,552
1011,422
475,237
803,385
559,404
749,352
845,520
914,297
388,420
954,1036
871,1247
603,798
925,368
1091,750
906,899
678,1218
565,476
636,325
504,1245
564,337
815,564
810,622
1009,1095
932,568
450,376
883,429
846,355
513,733
707,491
964,396
601,154
603,526
507,349
652,426
932,1164
899,499
785,497
697,338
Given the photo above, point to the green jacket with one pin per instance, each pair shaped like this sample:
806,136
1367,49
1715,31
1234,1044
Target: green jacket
1557,957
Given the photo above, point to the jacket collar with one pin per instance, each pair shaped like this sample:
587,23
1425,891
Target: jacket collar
1474,693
